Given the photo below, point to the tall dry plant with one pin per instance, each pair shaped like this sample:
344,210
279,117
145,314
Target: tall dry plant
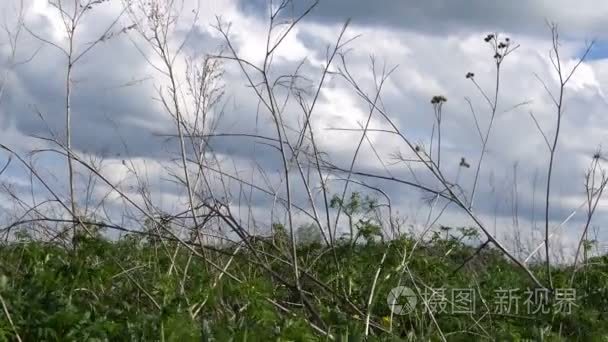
72,14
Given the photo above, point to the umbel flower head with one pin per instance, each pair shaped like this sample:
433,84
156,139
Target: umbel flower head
488,38
438,99
470,75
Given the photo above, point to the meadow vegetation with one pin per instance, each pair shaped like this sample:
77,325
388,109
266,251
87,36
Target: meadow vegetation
322,258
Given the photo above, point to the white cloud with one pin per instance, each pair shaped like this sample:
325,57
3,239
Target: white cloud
429,64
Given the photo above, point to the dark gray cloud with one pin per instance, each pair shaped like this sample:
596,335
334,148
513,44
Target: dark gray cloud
444,17
104,111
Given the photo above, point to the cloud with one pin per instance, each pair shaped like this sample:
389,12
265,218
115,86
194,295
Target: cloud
118,115
440,17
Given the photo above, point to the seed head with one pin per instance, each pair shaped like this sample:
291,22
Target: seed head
438,99
470,75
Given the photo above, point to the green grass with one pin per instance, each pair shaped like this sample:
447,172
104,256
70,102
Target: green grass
129,290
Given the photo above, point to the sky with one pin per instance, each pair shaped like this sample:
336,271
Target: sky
119,122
